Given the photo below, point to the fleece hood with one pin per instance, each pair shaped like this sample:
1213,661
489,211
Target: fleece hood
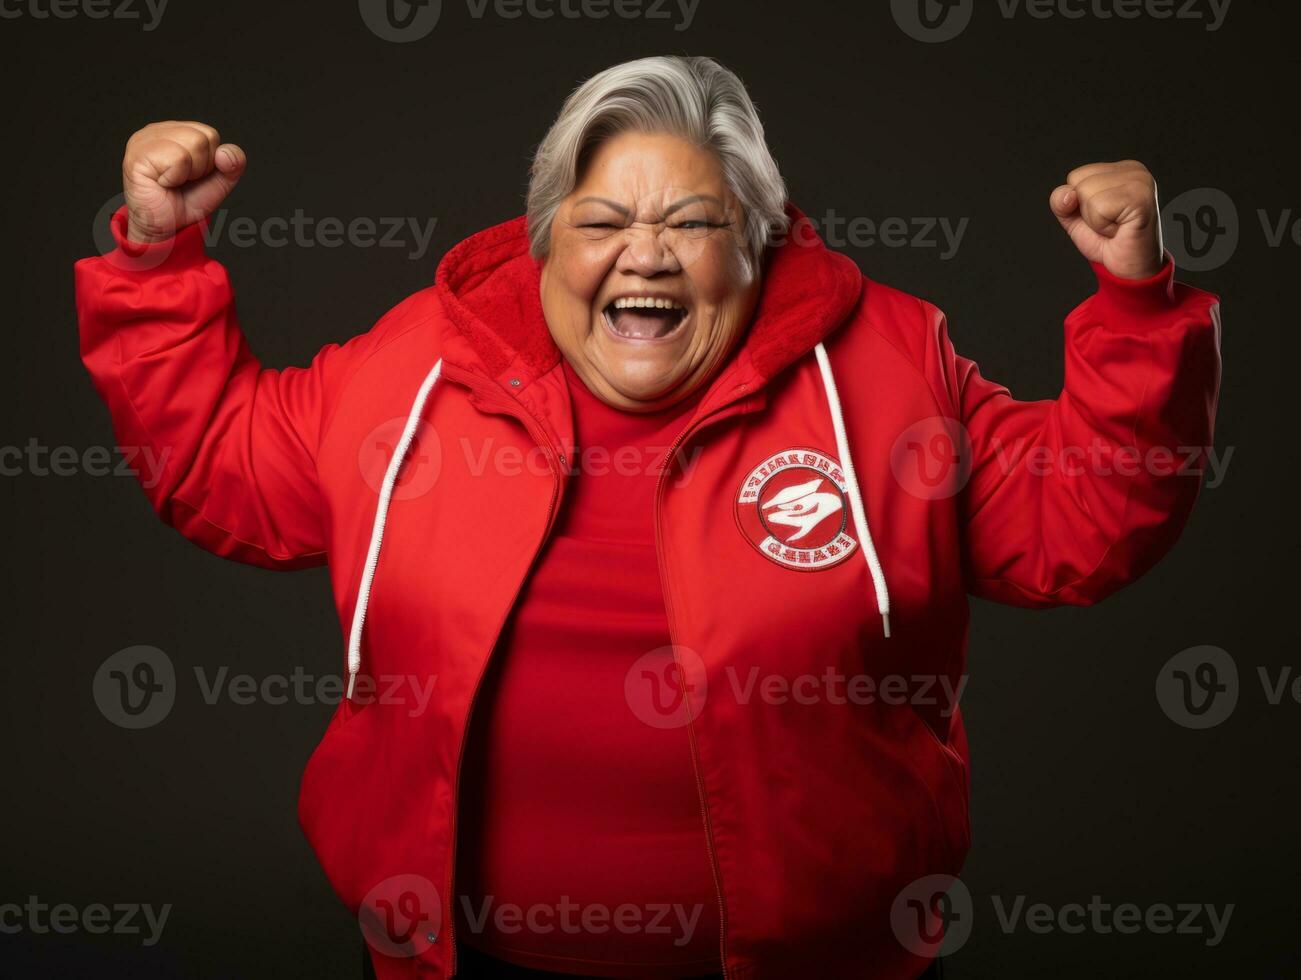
490,285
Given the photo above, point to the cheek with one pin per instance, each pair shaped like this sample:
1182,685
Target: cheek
724,280
571,280
723,273
578,274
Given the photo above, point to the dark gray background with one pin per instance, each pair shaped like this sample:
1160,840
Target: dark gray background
1081,784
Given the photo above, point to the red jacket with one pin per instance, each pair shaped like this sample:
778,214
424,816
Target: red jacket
819,809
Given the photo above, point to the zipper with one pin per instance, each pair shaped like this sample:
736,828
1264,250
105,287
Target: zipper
717,415
540,437
543,442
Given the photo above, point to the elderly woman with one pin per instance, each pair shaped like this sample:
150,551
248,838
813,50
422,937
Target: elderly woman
674,515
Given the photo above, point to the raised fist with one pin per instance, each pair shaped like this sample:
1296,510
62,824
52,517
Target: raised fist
175,173
1110,211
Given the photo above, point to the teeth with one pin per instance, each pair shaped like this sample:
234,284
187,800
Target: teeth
646,302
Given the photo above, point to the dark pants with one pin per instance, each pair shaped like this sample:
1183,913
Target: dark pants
473,965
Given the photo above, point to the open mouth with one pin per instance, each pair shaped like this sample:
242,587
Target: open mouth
644,318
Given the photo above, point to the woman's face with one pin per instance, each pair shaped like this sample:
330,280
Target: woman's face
648,283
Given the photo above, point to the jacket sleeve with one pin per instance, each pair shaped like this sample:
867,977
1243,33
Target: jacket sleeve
1069,499
231,445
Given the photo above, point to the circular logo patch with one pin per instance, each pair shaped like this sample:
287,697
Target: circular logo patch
793,508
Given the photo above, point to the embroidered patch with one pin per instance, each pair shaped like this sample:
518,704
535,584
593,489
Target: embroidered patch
794,509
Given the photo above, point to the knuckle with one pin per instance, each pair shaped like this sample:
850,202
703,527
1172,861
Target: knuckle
146,130
194,140
165,153
206,131
1140,170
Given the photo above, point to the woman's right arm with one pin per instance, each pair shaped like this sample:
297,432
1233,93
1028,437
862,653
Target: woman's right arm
232,445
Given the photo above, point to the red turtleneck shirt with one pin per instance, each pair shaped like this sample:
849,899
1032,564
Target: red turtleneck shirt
581,844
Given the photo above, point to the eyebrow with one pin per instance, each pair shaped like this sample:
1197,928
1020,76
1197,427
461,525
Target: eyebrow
675,206
615,205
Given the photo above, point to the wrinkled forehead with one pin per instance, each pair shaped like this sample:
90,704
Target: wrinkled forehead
655,206
649,176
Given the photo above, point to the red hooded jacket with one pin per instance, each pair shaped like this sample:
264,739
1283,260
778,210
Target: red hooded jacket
424,461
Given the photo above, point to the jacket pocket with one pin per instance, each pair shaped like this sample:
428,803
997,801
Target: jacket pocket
325,798
947,776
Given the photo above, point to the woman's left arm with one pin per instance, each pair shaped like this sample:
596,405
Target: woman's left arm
1069,499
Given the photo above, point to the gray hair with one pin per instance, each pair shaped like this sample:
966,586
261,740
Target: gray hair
696,99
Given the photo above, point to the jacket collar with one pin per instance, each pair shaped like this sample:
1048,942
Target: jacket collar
489,285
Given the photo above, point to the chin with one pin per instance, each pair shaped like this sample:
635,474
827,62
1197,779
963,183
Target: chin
644,387
642,372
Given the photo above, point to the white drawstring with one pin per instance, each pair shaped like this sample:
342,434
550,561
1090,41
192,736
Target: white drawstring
851,487
409,434
381,516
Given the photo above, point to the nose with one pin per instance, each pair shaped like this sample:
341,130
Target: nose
645,252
